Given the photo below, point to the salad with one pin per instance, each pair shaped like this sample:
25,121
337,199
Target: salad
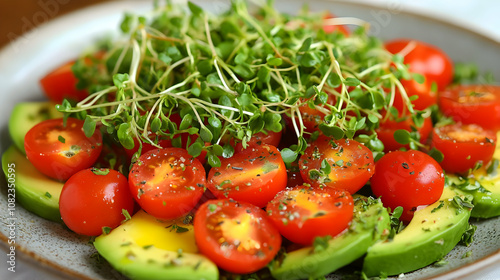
197,123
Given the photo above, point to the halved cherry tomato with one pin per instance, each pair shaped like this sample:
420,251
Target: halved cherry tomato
463,146
350,162
60,151
408,179
237,236
61,83
167,183
472,104
303,213
254,175
388,126
93,199
269,137
425,59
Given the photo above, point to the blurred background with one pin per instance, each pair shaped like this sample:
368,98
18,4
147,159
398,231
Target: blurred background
20,16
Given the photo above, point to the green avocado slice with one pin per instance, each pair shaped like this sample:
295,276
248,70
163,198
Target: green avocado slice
36,192
26,115
369,225
433,232
146,248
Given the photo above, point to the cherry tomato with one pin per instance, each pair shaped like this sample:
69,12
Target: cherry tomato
303,213
408,179
237,236
388,126
426,97
254,175
472,104
269,137
328,28
425,59
61,83
93,199
350,163
167,183
463,146
60,151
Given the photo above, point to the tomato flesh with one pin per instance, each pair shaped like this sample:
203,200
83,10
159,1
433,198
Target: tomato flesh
408,179
60,151
93,199
167,183
472,104
351,164
303,213
254,175
237,236
463,146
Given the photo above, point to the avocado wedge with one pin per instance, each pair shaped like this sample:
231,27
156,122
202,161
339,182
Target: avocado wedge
36,192
369,225
146,248
431,234
25,115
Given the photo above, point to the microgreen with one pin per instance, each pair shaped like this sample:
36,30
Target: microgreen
232,75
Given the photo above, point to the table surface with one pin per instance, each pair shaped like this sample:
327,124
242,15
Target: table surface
17,17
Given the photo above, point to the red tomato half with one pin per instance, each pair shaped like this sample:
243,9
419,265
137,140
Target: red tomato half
304,213
427,60
385,131
60,151
472,104
254,175
167,183
351,164
408,179
237,236
463,146
61,83
95,198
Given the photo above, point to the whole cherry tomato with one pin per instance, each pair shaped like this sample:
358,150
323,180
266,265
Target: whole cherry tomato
390,125
61,83
93,199
408,179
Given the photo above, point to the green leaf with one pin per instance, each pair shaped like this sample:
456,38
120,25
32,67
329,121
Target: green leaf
326,168
100,171
213,160
436,154
352,82
214,122
288,155
89,126
332,131
419,78
126,22
306,45
186,122
227,151
402,136
156,125
264,74
120,79
274,61
61,139
195,9
205,134
195,149
125,136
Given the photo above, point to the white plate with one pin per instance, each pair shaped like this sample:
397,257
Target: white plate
46,250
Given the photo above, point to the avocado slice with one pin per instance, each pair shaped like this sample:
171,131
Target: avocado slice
146,248
431,234
36,192
25,115
370,223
